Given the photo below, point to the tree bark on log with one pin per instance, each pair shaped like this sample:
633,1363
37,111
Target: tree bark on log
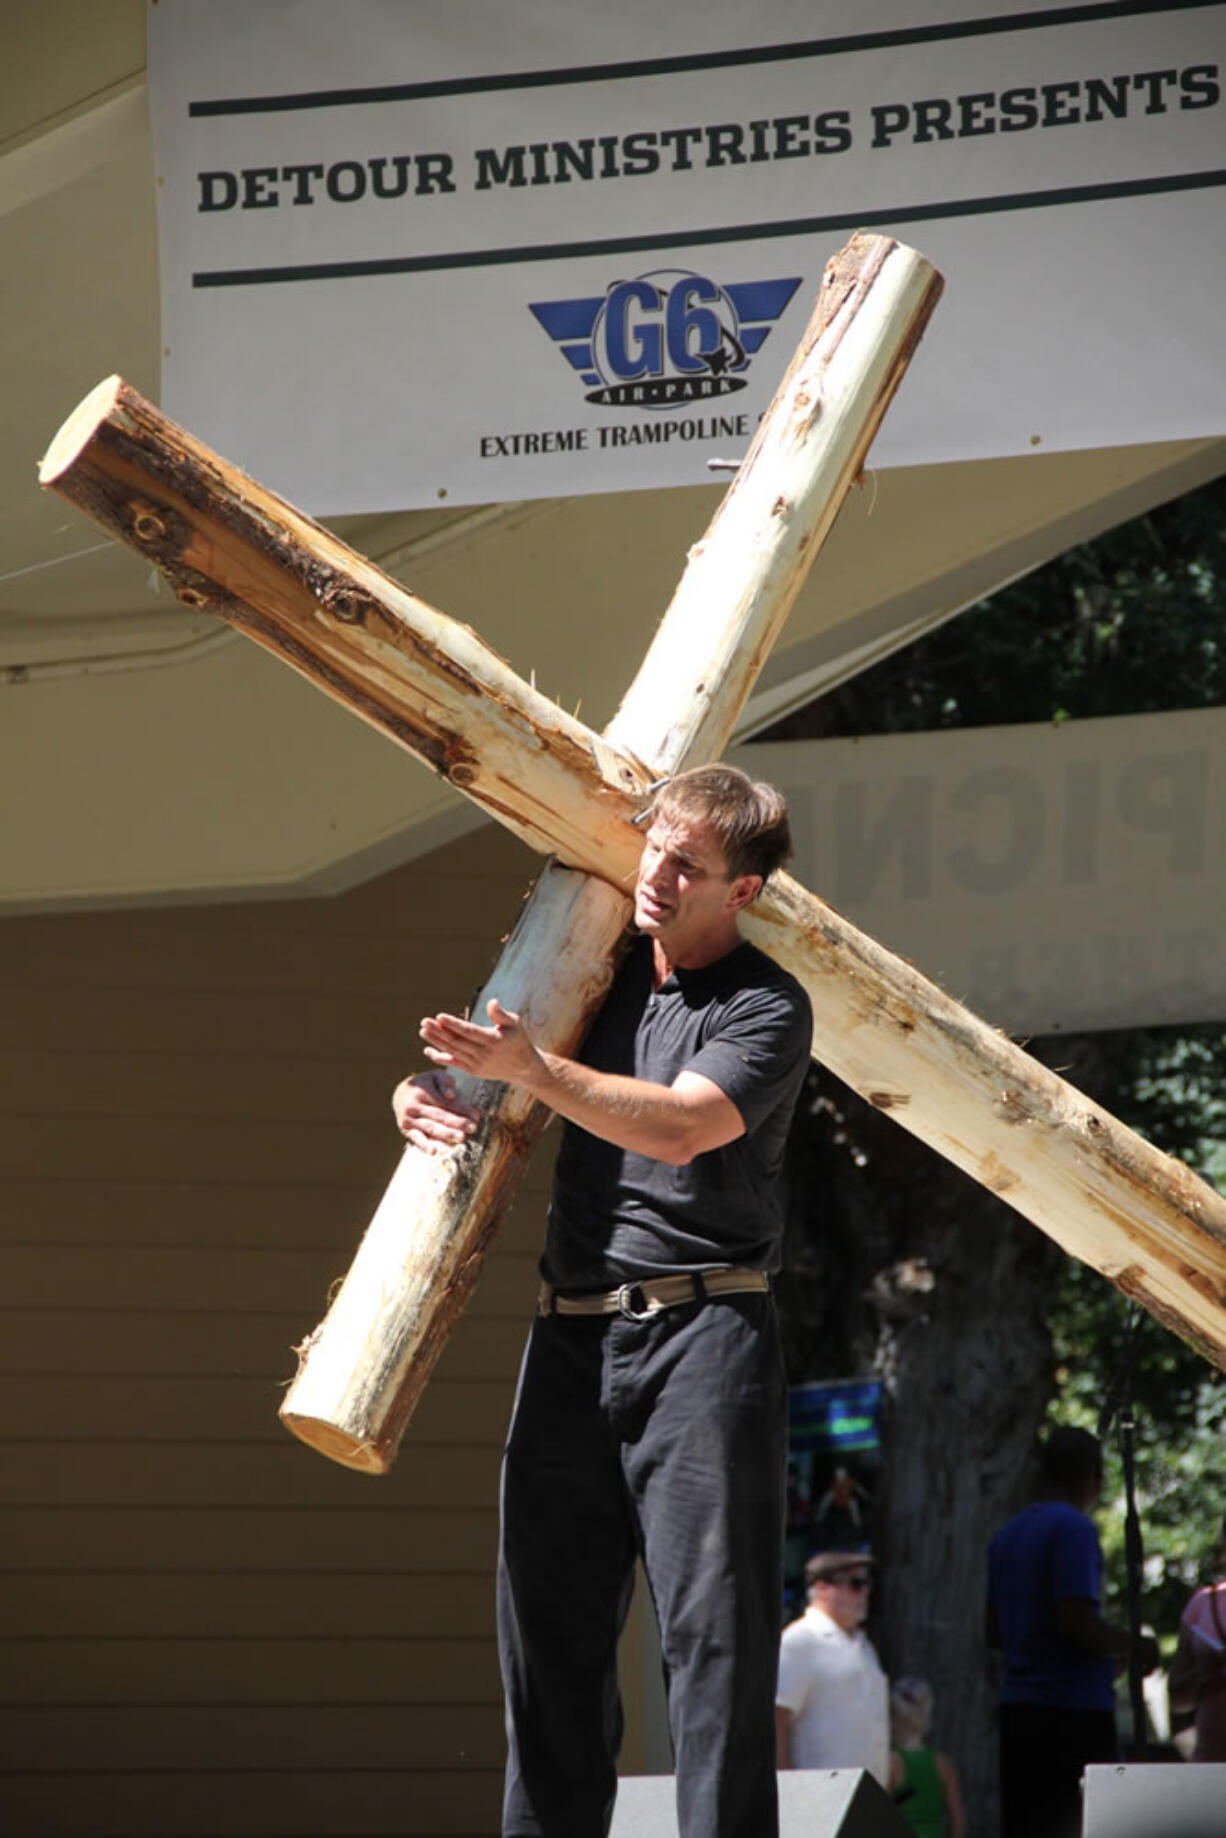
900,1267
229,547
1106,1196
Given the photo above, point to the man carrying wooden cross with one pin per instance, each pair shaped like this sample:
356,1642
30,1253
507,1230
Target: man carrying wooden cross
650,1416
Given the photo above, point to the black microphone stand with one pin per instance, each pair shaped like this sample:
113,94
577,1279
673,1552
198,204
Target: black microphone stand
1118,1402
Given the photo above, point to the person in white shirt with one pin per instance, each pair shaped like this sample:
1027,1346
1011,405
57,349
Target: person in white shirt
832,1707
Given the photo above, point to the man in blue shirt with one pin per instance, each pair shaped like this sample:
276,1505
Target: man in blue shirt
1057,1699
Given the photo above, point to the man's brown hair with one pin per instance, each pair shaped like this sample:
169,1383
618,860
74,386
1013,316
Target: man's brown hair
748,819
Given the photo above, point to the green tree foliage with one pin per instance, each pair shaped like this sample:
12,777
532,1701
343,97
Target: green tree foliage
1170,1086
1131,623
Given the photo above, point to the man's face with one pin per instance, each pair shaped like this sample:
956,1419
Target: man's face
844,1596
683,895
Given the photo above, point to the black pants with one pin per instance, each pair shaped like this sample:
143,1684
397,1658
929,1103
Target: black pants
1043,1754
665,1439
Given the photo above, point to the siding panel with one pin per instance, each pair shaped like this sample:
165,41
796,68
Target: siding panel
60,1409
313,1670
204,1627
283,1472
255,1803
194,1737
238,1537
188,1341
240,1280
282,1212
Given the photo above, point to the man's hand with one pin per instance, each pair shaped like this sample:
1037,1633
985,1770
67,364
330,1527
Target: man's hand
504,1050
1079,1622
670,1123
430,1115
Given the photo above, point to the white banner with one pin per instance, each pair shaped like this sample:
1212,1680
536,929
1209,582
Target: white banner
465,251
1051,877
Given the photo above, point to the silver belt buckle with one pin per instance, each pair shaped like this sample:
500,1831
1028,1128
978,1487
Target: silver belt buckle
623,1303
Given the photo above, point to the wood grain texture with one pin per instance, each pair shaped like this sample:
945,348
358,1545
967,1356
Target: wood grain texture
167,1552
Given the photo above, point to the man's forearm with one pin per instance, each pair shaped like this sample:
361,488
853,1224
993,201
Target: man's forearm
783,1737
648,1119
669,1123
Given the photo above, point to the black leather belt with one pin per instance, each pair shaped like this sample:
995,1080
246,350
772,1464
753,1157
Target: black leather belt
638,1301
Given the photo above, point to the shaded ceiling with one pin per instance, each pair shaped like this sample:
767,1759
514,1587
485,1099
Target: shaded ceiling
149,754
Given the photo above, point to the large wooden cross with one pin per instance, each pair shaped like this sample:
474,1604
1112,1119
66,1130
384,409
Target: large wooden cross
226,544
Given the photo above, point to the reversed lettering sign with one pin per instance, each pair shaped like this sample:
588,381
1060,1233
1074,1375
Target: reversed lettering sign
1052,878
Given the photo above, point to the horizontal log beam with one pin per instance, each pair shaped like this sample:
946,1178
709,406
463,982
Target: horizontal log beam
1139,1217
1106,1196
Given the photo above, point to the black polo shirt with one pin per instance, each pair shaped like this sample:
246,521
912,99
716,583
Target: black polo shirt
745,1024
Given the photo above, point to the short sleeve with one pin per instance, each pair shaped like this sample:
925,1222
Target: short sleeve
758,1051
1077,1561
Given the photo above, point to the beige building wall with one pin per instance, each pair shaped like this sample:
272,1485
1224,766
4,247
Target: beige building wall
207,1628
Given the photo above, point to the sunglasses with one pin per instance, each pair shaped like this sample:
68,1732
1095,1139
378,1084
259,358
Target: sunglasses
859,1581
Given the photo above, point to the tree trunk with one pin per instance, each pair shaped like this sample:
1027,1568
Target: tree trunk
363,1369
899,1266
968,1379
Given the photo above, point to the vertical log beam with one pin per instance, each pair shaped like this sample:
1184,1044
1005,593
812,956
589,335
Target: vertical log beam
743,577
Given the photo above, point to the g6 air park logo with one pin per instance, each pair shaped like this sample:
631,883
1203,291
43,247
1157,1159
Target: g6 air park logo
666,338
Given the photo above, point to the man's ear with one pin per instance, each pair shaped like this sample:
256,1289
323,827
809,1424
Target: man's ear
745,888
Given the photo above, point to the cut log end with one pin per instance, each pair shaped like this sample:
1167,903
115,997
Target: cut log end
349,1451
79,429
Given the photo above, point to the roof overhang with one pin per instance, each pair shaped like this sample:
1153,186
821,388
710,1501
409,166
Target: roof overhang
149,754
